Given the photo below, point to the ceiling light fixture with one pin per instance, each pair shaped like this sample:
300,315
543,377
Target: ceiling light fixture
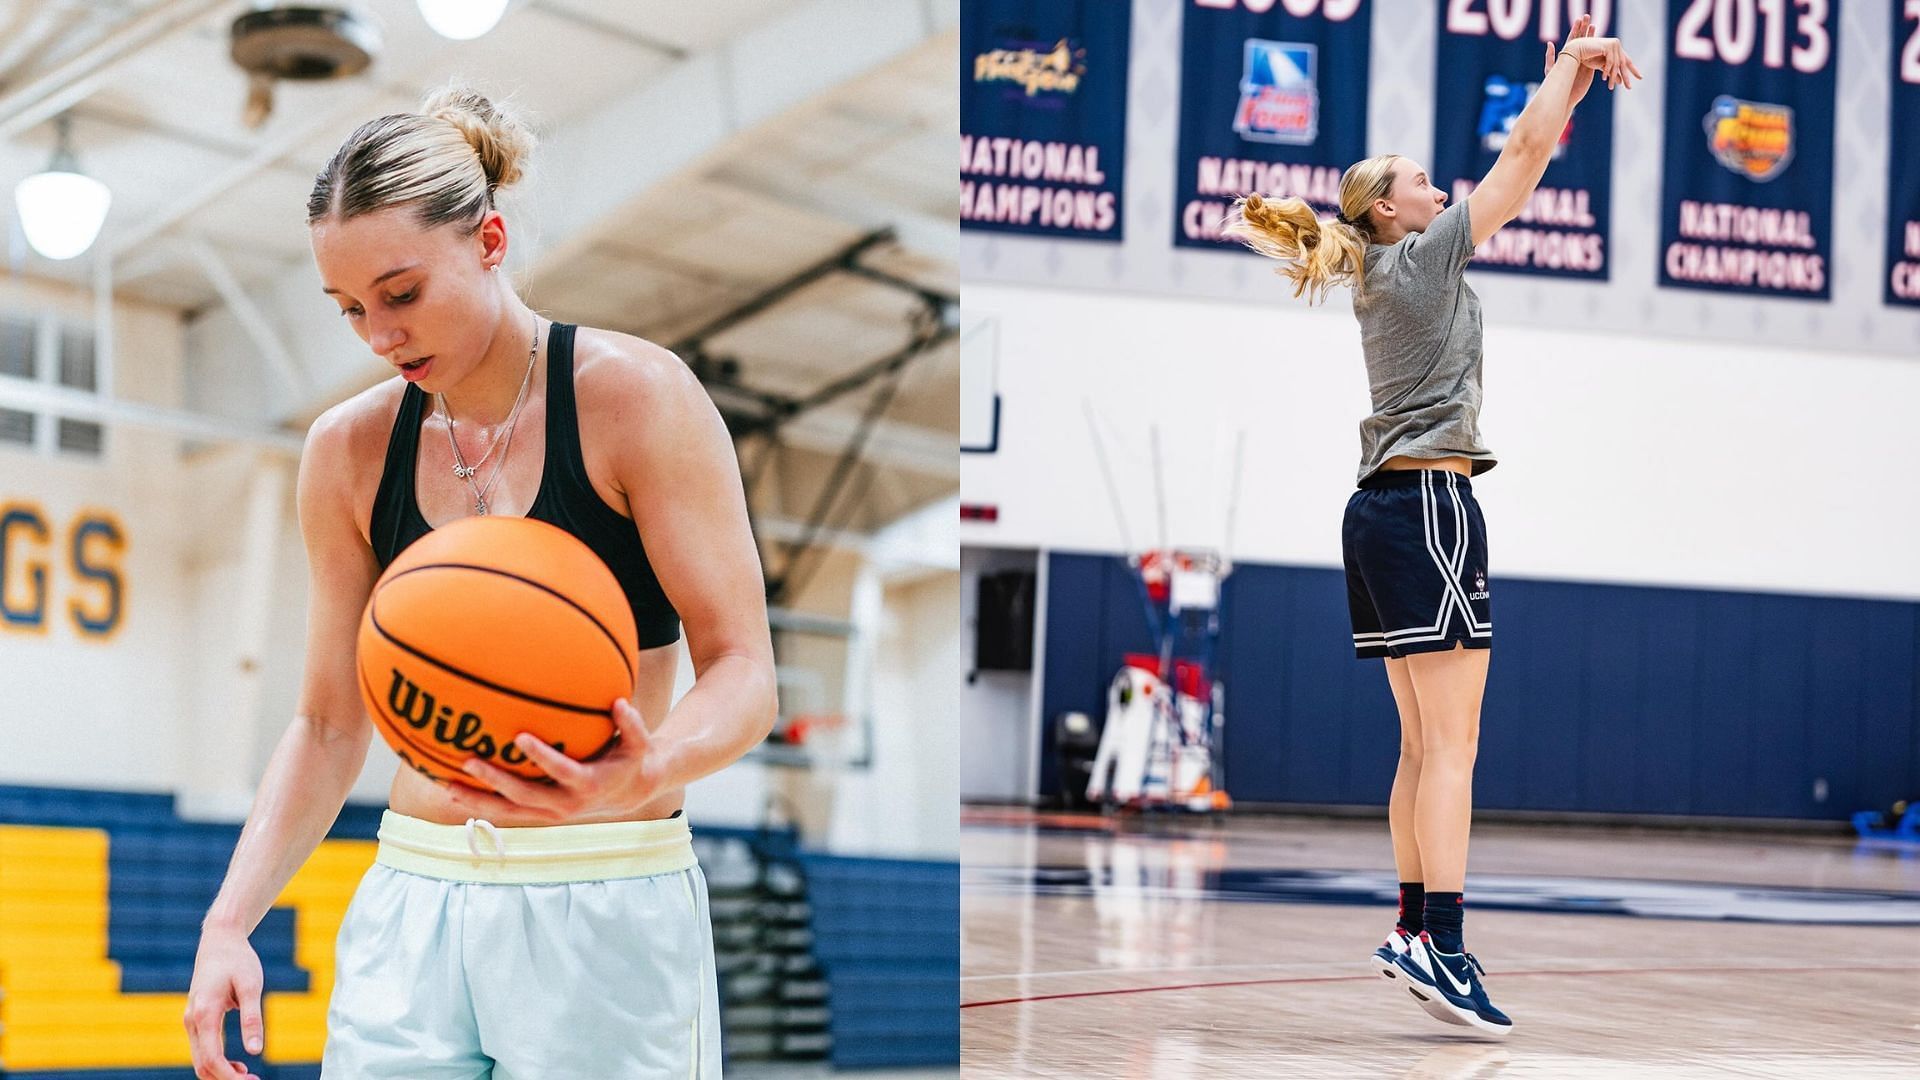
62,209
462,20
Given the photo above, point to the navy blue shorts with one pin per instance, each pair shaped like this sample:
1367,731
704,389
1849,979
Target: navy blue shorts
1416,552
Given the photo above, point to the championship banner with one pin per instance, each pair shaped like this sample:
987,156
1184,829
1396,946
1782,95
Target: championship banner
1903,171
1043,116
1746,201
1491,59
1273,99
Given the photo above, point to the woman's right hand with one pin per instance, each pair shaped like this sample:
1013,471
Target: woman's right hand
226,976
1605,55
1583,76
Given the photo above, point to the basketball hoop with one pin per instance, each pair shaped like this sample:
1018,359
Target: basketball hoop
1195,580
1161,745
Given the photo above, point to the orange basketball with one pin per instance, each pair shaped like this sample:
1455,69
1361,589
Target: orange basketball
490,627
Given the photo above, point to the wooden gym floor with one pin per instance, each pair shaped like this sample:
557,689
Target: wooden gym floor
1178,948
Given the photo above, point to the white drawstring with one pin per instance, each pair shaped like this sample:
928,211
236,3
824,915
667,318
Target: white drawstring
493,835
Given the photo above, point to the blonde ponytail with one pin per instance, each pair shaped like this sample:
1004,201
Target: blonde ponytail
1316,255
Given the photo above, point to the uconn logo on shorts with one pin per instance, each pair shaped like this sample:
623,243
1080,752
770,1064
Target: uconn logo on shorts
1479,587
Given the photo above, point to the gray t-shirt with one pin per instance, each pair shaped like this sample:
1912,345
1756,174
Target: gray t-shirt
1420,333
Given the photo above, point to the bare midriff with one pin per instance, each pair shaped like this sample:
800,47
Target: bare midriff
1461,465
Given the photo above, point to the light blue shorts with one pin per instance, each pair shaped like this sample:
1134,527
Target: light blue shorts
526,953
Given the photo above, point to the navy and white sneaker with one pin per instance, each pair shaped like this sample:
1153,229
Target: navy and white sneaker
1448,987
1386,957
1416,973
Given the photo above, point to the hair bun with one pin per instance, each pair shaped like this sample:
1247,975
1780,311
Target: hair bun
500,140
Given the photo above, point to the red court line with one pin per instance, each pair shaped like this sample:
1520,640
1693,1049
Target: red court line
1359,978
1089,822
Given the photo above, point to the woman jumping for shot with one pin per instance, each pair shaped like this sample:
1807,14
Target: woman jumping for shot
1413,539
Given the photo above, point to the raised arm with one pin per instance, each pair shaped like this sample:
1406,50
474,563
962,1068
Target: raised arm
1507,186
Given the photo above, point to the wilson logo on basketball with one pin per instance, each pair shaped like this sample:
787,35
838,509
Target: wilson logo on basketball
467,734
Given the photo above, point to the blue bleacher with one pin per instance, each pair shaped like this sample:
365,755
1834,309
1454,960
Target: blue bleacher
885,931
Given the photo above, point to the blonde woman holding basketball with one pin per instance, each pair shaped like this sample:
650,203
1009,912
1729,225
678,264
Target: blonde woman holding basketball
581,946
1414,540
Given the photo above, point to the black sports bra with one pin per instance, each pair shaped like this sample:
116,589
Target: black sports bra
566,497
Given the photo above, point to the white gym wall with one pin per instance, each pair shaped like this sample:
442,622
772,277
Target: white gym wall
1624,458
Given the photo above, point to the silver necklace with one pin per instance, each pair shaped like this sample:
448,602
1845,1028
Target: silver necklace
465,471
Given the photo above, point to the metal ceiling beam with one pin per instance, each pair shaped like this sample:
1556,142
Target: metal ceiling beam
796,571
252,319
96,111
922,234
861,376
832,264
159,255
757,412
606,29
44,22
906,447
266,154
748,85
928,293
70,82
748,410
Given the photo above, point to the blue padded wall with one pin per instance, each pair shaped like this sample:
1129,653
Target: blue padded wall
1601,698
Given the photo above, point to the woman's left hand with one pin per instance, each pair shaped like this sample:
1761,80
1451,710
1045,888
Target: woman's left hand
622,780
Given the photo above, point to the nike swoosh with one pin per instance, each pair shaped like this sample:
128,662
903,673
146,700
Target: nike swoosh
1458,987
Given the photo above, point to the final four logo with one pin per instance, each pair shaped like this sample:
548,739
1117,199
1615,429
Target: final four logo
1279,95
1501,103
1751,138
